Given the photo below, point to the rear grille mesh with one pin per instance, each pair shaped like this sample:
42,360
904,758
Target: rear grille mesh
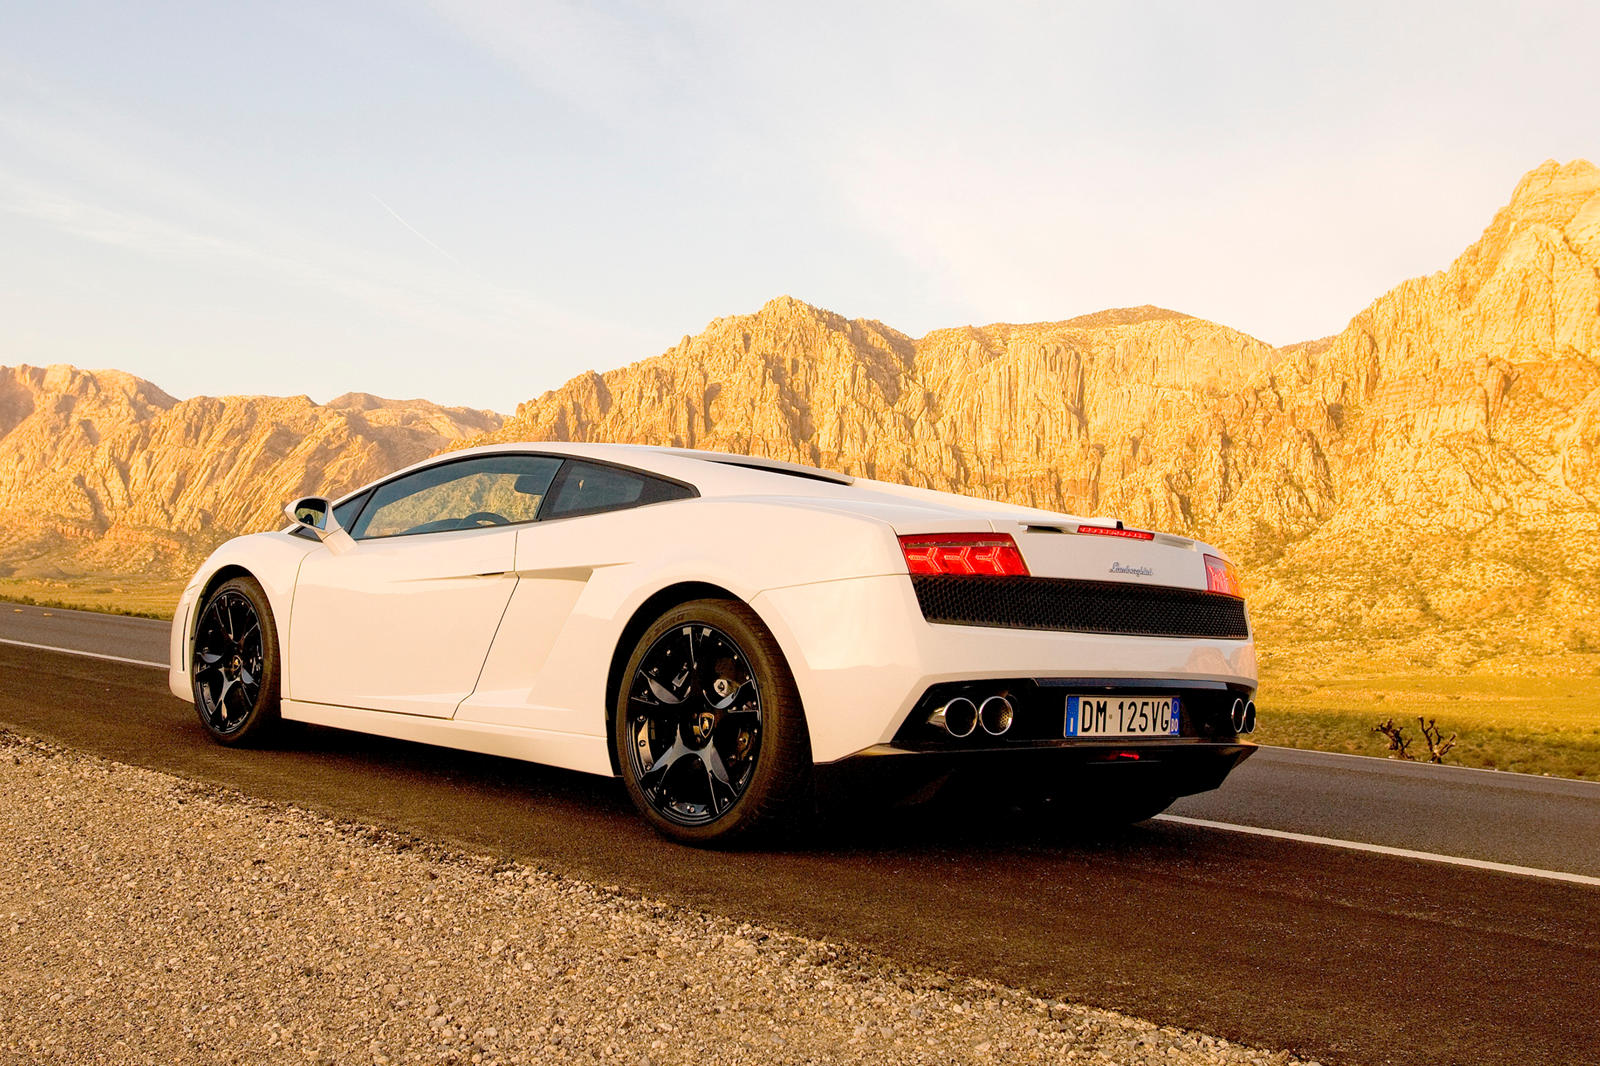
1080,606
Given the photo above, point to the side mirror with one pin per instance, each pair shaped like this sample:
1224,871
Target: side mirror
316,514
313,512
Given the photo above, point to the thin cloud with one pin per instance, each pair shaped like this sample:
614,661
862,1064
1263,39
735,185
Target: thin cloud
185,219
608,63
423,237
159,239
564,185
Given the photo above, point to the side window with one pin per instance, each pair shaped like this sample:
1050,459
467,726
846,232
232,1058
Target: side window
346,512
493,490
588,488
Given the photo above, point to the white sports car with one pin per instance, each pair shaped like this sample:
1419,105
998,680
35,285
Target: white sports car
726,632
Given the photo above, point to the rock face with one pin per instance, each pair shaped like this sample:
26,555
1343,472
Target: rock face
1443,448
101,472
1430,477
1080,414
1432,469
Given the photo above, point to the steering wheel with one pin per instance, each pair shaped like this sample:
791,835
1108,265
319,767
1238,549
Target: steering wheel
483,518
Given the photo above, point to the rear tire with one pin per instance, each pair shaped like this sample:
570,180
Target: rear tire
234,669
709,731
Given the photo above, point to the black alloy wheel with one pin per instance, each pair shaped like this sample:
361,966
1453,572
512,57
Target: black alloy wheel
709,731
696,722
234,668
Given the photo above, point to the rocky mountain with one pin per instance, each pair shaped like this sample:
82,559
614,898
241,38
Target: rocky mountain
102,472
1444,450
1078,413
1432,470
1425,482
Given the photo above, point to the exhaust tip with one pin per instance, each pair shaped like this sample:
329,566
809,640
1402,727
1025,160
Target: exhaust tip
1236,716
1250,717
996,715
958,717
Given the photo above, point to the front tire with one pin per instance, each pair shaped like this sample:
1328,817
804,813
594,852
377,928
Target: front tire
234,669
709,730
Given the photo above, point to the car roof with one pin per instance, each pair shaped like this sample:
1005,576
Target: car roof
711,471
728,474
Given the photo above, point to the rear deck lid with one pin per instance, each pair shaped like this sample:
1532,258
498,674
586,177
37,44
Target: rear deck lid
1062,551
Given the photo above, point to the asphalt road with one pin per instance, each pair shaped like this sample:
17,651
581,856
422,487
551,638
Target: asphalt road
1342,955
88,631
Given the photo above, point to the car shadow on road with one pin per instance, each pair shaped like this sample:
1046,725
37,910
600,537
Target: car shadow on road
847,821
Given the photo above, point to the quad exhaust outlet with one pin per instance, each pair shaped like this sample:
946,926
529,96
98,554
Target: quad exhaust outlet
958,717
996,714
1243,716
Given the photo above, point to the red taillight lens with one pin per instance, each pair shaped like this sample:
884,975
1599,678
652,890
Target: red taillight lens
1222,577
987,554
1114,531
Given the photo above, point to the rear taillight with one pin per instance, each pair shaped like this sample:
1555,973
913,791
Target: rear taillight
986,554
1117,531
1222,577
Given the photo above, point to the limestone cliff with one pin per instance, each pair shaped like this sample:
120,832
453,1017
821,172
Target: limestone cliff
1081,414
1429,476
1455,419
1433,468
103,472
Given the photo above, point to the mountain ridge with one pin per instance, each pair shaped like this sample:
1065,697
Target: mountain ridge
1429,476
104,472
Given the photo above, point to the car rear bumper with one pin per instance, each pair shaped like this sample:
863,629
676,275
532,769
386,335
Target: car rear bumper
1177,767
865,658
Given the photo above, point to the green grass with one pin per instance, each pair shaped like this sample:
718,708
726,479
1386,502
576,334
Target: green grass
1540,725
135,597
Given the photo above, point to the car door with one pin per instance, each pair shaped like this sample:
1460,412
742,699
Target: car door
529,679
403,620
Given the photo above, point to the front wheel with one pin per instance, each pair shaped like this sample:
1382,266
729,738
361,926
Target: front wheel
708,726
234,668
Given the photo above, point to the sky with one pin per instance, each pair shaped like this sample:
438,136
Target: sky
474,200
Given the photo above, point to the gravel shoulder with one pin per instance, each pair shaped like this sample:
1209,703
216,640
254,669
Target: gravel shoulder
145,918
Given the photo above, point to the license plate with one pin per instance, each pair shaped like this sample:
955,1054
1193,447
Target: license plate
1122,716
